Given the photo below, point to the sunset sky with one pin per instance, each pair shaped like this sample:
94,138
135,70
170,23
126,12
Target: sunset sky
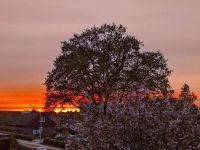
31,31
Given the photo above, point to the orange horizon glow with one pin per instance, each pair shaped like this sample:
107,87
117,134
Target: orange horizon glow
26,99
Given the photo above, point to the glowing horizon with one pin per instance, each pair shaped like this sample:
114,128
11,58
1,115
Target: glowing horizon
26,99
22,103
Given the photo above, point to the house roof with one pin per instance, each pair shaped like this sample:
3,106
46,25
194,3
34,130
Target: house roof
33,119
25,119
53,118
11,115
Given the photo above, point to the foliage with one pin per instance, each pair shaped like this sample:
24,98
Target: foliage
104,64
185,88
186,94
141,124
11,144
16,146
54,142
21,147
23,136
10,129
5,143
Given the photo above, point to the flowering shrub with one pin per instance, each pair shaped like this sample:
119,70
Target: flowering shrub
140,124
53,142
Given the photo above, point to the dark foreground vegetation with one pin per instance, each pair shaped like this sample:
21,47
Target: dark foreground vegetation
54,142
11,144
140,124
123,93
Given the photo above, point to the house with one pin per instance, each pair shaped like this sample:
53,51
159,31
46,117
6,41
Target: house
31,122
7,117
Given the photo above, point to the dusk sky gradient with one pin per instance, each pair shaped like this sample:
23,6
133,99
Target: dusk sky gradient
31,31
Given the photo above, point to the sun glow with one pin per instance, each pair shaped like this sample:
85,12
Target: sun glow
20,99
57,110
25,99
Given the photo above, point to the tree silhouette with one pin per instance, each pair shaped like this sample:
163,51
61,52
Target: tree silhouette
104,64
185,89
186,94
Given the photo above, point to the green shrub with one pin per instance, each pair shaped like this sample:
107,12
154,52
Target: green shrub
54,142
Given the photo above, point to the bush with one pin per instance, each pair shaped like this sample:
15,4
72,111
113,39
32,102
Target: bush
21,147
5,143
23,137
16,146
141,124
54,142
9,129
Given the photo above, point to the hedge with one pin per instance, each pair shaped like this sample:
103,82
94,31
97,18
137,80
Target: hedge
16,146
5,143
21,147
54,142
9,129
23,137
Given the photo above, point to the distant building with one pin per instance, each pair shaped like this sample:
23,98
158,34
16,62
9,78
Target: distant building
30,122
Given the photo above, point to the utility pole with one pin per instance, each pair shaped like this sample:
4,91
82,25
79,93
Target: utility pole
41,120
40,129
